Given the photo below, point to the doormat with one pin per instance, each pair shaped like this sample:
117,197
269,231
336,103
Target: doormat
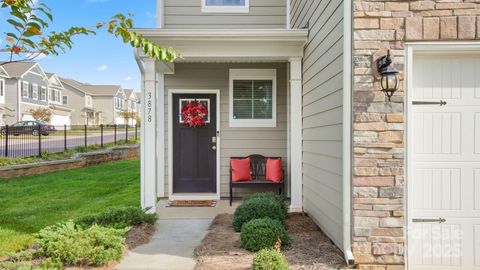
192,203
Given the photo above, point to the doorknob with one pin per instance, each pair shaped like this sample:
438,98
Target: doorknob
214,147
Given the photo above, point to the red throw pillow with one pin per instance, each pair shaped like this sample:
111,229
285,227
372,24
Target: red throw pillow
274,170
241,170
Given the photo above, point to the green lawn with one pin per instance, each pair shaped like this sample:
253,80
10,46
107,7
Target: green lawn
31,203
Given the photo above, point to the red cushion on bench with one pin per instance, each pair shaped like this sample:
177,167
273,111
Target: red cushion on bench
241,170
274,170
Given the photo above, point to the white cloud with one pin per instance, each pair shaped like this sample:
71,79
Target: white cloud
128,78
102,68
151,15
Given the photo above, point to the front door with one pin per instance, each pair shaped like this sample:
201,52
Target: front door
194,148
444,187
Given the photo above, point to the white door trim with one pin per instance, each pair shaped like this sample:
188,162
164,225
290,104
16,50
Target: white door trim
191,196
410,50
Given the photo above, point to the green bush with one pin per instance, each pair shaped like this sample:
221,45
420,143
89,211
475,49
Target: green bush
70,244
271,196
118,218
263,233
254,208
269,259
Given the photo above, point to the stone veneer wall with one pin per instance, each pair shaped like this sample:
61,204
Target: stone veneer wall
379,152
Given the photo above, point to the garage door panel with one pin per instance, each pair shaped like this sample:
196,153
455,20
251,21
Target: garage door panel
445,163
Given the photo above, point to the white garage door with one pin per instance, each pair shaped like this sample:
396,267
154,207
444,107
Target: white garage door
27,117
444,173
119,121
60,120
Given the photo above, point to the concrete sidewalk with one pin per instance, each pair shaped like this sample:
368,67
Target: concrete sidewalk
179,231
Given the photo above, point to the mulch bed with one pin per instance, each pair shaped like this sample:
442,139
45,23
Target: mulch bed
310,249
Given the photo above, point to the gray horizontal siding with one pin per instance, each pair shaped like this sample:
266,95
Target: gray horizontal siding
322,111
234,141
187,14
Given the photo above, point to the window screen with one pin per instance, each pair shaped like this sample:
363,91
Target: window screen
225,2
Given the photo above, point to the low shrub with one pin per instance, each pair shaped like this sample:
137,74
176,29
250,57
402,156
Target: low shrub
271,196
255,208
118,218
72,245
269,259
263,233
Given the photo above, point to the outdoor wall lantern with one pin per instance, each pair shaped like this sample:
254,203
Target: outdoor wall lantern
389,80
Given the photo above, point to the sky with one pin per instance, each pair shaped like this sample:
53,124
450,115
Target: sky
99,59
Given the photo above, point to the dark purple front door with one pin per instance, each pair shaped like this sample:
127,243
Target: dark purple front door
194,148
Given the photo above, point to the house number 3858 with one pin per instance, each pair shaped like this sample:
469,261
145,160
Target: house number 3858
149,107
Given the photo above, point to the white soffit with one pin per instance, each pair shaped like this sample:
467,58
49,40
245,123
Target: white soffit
234,44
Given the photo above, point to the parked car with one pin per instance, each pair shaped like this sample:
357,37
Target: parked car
29,127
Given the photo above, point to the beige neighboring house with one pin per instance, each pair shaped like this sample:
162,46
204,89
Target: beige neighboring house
132,104
27,87
94,104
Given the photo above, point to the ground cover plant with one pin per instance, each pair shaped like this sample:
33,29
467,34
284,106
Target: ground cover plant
118,218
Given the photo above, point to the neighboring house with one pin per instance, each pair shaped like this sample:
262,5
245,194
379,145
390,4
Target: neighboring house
94,104
3,109
132,105
394,183
27,87
58,101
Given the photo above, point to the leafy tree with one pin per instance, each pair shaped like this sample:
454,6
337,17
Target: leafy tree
29,37
42,114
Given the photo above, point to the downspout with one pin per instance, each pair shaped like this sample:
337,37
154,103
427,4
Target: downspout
347,133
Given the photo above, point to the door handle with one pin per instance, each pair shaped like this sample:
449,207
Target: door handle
429,220
441,103
214,147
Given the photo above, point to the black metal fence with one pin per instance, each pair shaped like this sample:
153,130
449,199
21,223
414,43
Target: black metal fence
37,140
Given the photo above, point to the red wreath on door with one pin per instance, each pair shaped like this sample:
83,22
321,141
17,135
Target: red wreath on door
193,114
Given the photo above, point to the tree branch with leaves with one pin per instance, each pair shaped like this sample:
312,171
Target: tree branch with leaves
29,37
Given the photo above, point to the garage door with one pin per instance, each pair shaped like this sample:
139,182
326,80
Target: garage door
60,120
27,117
444,162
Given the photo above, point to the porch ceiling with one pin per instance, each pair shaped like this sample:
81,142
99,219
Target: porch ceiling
231,45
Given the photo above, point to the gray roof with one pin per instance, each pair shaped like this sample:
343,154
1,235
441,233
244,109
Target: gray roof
17,69
94,90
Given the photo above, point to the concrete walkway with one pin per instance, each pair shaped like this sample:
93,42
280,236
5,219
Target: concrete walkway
179,231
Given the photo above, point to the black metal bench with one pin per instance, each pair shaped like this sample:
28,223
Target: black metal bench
258,164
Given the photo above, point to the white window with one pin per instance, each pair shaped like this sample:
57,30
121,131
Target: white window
43,94
253,98
25,89
34,91
225,6
65,100
2,88
88,101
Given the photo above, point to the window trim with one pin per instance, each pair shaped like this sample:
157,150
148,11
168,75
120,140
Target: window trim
33,91
27,89
253,74
42,97
2,88
226,8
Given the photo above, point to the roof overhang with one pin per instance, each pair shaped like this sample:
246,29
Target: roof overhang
242,45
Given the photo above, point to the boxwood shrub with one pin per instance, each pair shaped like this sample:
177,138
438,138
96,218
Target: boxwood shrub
269,259
72,245
263,233
118,218
255,208
269,195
